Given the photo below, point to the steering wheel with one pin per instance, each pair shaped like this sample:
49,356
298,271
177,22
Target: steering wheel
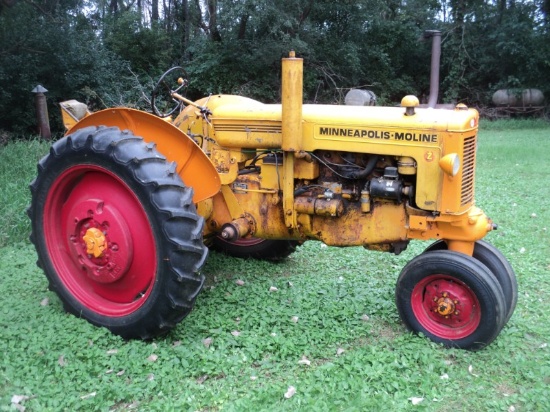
163,102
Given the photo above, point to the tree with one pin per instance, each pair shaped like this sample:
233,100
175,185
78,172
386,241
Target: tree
61,52
107,51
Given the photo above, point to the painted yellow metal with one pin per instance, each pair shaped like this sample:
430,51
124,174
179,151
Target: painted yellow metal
406,165
248,125
460,231
321,207
450,164
291,103
191,121
218,214
193,165
235,208
205,208
288,191
271,174
95,242
332,224
409,103
305,168
422,139
445,306
291,129
417,141
257,167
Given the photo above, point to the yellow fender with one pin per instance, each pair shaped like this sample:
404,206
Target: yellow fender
193,165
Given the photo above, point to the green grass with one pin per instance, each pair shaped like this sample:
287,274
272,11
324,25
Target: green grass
63,363
17,169
515,124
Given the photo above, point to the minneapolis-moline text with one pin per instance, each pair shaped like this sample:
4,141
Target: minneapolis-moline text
378,134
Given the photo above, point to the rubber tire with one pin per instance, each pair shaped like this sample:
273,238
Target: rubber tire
499,266
458,268
256,248
174,227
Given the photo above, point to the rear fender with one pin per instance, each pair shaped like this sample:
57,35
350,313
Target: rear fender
193,165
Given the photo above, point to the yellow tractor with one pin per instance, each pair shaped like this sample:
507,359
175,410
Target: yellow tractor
125,206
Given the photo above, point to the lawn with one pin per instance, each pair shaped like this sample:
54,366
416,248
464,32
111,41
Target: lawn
329,333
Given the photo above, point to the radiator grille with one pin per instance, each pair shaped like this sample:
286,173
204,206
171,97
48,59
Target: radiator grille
468,170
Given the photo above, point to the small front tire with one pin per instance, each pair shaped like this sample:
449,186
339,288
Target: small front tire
452,299
499,266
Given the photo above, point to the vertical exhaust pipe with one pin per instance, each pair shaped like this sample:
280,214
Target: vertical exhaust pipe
292,98
291,129
434,69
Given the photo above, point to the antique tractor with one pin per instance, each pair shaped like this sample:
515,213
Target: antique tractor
125,206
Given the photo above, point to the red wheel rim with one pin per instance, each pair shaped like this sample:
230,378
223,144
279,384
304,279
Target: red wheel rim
446,307
88,199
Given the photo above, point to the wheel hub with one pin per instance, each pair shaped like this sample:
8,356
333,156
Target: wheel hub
99,240
445,306
449,303
95,242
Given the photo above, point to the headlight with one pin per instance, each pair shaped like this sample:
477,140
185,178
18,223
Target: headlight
450,164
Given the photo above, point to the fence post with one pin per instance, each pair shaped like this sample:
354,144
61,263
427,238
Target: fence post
42,119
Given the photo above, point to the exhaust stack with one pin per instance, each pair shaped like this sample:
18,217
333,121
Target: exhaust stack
292,97
434,70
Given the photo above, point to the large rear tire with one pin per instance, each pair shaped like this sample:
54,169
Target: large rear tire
117,233
256,248
452,299
499,266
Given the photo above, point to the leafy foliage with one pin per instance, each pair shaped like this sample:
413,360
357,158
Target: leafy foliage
107,53
61,53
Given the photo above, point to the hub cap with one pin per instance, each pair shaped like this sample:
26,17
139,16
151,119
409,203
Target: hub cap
446,307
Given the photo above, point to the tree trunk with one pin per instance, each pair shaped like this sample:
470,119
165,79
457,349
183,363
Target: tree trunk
213,20
154,11
113,6
242,26
545,8
501,10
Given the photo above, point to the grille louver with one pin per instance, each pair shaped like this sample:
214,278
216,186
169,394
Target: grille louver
468,169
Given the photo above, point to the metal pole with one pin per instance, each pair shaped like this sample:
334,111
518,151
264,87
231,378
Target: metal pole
42,119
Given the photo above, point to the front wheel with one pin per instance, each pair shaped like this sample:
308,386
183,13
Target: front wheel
499,266
116,232
451,298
